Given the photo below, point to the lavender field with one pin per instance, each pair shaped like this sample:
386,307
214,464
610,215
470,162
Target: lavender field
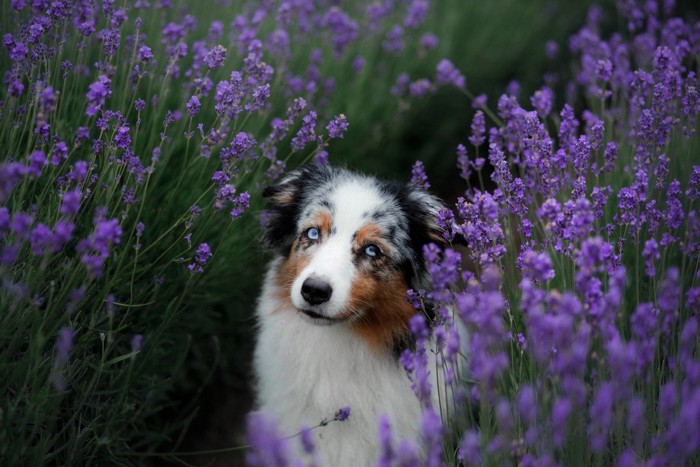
137,138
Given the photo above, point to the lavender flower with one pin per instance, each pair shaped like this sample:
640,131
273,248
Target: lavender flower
401,85
260,96
193,106
64,345
394,41
358,64
542,101
201,257
240,204
418,177
651,254
306,133
337,127
420,88
470,449
215,58
415,15
536,266
386,441
601,414
432,433
478,128
342,414
94,249
429,41
344,28
447,74
268,446
98,93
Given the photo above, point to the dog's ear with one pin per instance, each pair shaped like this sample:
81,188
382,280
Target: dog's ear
421,210
424,208
286,199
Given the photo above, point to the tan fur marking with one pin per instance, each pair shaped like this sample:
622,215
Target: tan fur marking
323,222
385,312
369,233
288,272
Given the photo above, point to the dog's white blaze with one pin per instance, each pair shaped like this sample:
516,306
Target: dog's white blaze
352,201
333,264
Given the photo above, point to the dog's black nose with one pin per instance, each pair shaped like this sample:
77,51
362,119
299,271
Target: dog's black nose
316,291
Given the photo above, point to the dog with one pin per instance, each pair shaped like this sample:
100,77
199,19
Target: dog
333,316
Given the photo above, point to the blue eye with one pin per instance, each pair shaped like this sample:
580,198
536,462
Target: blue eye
372,251
312,233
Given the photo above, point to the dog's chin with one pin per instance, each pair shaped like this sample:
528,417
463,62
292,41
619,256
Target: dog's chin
316,318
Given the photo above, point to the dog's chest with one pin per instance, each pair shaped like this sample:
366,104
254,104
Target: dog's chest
306,373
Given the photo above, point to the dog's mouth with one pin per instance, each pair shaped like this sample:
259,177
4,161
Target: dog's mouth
318,318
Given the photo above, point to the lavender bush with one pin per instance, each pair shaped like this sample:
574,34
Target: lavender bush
573,260
579,277
135,138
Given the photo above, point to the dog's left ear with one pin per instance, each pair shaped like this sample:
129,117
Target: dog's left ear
423,212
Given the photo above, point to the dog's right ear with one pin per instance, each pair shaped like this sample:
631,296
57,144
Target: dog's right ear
280,225
286,200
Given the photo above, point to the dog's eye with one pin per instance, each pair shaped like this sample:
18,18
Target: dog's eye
372,251
313,233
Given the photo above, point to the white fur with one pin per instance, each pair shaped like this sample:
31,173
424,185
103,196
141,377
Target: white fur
307,372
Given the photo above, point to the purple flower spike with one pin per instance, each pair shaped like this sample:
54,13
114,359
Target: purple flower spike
447,74
432,433
268,445
337,127
37,161
10,175
418,176
306,133
342,414
478,129
651,255
240,204
193,106
215,58
94,250
542,101
536,266
420,88
64,345
394,41
386,443
429,41
201,257
136,344
415,15
98,93
145,54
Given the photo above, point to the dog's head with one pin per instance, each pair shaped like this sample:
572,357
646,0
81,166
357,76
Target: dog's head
352,246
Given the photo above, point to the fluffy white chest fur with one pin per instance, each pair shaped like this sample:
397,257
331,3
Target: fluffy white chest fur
307,372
